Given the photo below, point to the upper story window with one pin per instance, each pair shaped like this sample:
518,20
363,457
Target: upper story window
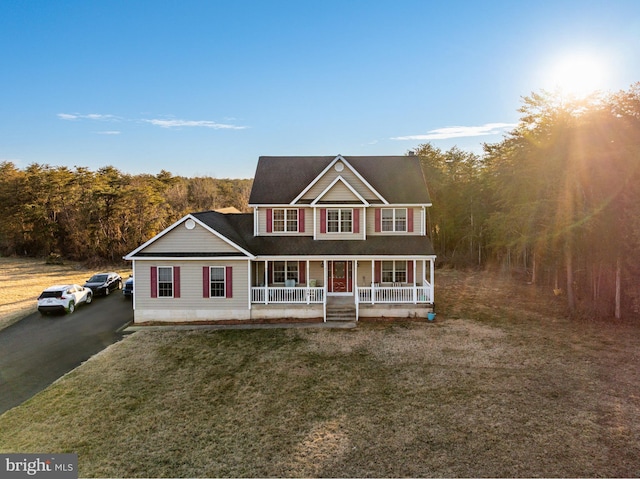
285,220
394,219
339,220
165,281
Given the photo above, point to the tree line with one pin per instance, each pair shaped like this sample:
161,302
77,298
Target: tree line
99,216
557,200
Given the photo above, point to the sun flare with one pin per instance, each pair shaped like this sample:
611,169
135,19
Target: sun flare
578,75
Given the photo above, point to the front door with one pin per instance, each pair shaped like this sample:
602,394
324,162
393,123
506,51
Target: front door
340,277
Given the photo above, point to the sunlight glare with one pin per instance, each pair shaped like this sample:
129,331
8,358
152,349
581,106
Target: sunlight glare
578,75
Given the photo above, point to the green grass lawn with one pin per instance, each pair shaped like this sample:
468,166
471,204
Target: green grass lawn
491,388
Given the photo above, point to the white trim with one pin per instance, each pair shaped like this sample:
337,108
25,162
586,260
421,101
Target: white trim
190,258
352,257
256,226
249,273
353,170
344,182
133,271
175,225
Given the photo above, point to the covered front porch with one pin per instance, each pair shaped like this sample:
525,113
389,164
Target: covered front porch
363,282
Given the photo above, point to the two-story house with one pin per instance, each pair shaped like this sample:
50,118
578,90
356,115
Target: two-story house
329,237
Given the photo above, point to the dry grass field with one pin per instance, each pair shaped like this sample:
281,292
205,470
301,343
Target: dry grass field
500,385
23,279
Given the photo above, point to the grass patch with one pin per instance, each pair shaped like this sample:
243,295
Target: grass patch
516,393
23,279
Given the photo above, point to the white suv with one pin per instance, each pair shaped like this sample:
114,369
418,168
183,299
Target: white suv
65,298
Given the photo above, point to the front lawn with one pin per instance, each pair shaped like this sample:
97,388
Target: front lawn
507,388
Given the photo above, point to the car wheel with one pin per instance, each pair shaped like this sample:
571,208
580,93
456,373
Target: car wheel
89,298
71,308
107,291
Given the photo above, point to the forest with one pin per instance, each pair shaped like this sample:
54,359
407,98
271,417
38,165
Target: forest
98,217
556,202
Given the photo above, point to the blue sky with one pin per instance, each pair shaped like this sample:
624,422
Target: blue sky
206,87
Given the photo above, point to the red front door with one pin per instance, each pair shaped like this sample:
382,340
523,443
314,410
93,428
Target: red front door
340,276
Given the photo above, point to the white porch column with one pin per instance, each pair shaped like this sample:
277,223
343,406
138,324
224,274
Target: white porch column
325,279
415,290
266,282
249,280
326,289
431,270
373,281
355,273
307,283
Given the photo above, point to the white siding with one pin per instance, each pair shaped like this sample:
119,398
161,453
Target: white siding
182,240
191,306
348,176
340,192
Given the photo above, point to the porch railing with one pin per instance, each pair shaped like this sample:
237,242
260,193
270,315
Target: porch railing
395,294
299,295
367,294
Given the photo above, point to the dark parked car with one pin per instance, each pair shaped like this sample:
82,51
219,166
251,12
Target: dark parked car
127,291
104,283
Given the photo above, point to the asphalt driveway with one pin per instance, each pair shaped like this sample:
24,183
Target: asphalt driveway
37,350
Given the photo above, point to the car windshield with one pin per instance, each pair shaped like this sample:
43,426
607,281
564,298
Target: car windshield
98,278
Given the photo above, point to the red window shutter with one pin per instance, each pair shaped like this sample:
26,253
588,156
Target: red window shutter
409,271
154,282
176,281
206,287
228,280
410,220
377,271
302,272
356,220
323,220
301,220
378,221
269,220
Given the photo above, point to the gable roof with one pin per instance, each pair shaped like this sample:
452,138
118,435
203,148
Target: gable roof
222,230
281,179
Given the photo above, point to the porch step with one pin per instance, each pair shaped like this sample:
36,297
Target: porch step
341,313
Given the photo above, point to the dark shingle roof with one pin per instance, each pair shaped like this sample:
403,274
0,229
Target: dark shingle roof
239,229
280,179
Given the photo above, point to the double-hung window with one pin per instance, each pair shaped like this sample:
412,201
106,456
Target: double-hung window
165,281
339,221
394,219
217,286
285,220
394,271
283,270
